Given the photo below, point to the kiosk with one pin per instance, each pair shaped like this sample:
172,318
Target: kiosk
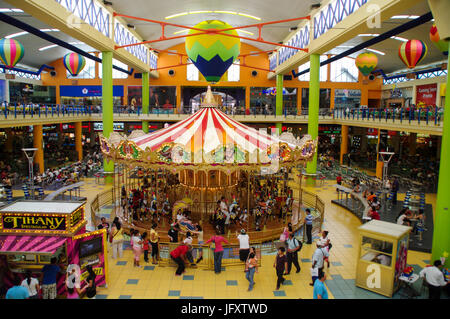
32,232
382,256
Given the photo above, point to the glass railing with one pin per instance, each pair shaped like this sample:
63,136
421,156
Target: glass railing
418,116
409,115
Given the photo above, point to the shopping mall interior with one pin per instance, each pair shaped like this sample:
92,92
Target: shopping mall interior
152,150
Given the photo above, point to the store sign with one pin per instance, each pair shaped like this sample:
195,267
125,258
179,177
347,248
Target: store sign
19,222
117,126
347,93
87,90
426,94
76,217
98,271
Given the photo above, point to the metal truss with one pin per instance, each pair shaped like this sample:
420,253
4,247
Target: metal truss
333,13
91,12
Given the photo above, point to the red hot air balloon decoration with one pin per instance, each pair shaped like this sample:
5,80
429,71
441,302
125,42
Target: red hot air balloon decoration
74,63
11,52
442,45
412,52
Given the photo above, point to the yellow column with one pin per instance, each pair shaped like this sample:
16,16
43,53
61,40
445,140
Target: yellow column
37,143
364,96
247,98
344,142
379,169
178,106
78,144
332,98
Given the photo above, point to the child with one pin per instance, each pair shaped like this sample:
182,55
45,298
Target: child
280,265
137,247
251,268
145,246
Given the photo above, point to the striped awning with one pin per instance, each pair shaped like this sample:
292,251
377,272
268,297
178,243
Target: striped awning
30,244
207,130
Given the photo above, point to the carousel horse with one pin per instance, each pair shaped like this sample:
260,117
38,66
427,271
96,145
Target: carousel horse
243,218
154,207
234,209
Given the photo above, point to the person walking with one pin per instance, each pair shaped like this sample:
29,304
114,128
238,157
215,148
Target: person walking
251,269
320,291
72,286
116,238
178,255
218,251
434,278
154,241
395,189
244,245
280,266
293,247
318,259
17,291
90,288
32,284
49,280
308,222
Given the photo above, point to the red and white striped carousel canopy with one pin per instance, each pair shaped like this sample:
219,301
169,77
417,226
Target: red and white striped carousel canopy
207,130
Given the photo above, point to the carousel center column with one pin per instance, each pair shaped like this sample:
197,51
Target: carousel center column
107,109
313,113
37,143
145,99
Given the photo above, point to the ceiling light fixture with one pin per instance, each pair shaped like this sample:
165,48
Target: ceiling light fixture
404,17
201,11
48,47
376,51
246,32
18,34
226,12
368,35
176,15
400,39
249,16
181,31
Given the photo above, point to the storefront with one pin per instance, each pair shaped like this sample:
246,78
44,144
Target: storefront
34,232
88,95
263,100
31,93
344,98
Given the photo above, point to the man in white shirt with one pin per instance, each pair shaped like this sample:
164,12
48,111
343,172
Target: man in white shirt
244,245
318,257
435,279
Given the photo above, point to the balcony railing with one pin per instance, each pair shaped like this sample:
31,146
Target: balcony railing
415,116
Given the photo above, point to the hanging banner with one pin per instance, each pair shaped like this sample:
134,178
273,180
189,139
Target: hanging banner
426,94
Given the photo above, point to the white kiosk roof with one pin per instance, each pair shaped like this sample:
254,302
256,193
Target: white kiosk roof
385,228
41,207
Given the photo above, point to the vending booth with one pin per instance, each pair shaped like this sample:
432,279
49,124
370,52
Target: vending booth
33,232
382,256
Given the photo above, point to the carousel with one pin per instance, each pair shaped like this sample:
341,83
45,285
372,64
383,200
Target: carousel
202,164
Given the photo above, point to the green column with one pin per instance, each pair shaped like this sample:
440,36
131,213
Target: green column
313,109
279,101
107,105
145,98
441,233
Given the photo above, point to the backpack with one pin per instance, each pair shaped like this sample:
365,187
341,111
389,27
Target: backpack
300,244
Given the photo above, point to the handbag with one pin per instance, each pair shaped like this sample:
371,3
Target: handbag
213,244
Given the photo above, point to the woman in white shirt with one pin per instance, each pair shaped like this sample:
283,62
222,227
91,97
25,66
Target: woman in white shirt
32,284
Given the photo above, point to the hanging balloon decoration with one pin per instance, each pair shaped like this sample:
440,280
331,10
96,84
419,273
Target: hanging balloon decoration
74,63
212,54
366,62
11,52
412,52
442,45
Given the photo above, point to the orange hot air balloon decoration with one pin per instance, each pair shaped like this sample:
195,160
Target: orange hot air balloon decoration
412,52
366,62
